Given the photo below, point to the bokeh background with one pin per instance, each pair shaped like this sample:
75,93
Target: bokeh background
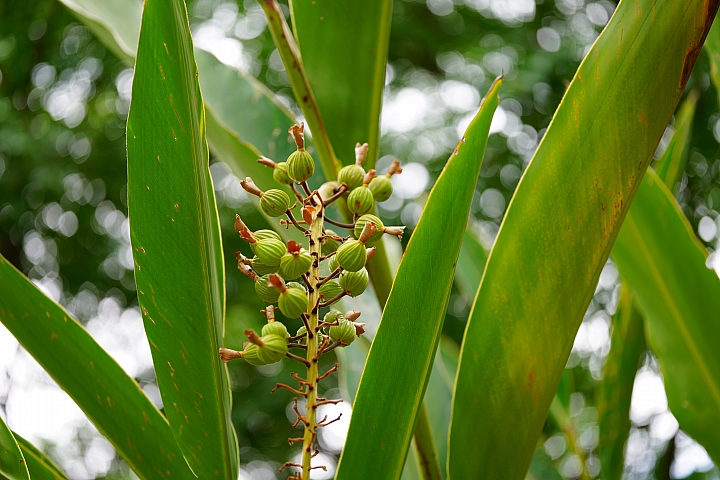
63,209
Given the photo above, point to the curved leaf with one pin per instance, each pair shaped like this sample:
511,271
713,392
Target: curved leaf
39,465
176,242
344,47
110,398
401,355
659,256
12,462
671,165
712,47
560,227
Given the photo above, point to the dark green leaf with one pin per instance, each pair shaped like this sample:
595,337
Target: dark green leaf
12,462
559,229
39,465
398,366
671,165
176,242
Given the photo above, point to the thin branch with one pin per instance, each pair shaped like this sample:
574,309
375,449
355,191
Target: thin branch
349,226
334,299
331,347
298,359
334,274
292,219
343,188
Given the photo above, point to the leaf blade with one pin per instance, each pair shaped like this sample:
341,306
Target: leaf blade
381,420
559,229
39,465
175,236
346,72
12,461
101,388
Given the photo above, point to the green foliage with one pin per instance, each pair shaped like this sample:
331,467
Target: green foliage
12,462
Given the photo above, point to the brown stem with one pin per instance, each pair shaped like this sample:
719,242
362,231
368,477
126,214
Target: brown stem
298,359
333,300
349,226
292,219
297,132
343,188
334,274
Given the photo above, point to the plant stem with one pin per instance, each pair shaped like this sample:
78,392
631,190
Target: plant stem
316,231
424,445
290,55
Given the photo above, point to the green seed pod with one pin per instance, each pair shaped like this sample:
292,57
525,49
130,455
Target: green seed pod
280,174
270,251
264,234
293,302
275,328
352,175
273,350
266,293
351,255
300,165
251,354
329,245
301,331
328,189
354,283
274,202
344,332
360,224
330,289
360,201
296,285
332,316
381,188
262,268
294,264
333,263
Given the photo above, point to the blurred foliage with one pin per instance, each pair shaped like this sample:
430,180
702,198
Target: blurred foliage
63,207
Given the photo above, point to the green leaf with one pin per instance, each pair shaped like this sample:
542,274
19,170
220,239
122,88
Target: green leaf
110,398
627,349
559,229
659,256
344,47
39,465
471,263
712,47
671,165
398,366
12,462
176,241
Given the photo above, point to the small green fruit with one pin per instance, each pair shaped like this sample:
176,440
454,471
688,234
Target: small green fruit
270,251
330,290
354,283
273,350
296,285
300,165
352,175
274,202
328,189
344,332
333,263
360,201
360,224
264,234
266,293
280,174
262,268
293,302
294,264
301,331
275,328
329,245
351,255
381,188
251,354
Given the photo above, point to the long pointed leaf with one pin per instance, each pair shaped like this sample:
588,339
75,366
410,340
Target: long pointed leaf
712,47
109,397
176,242
344,47
560,227
12,461
400,358
39,465
658,254
671,165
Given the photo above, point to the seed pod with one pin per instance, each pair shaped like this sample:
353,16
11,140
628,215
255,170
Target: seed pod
354,283
280,174
293,302
264,234
301,331
360,201
333,263
352,175
275,328
351,255
251,354
296,285
329,245
381,188
360,224
270,251
273,350
344,332
300,165
332,316
295,262
267,293
274,202
328,189
330,290
262,268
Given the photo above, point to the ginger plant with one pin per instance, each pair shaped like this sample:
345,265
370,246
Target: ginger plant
288,275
